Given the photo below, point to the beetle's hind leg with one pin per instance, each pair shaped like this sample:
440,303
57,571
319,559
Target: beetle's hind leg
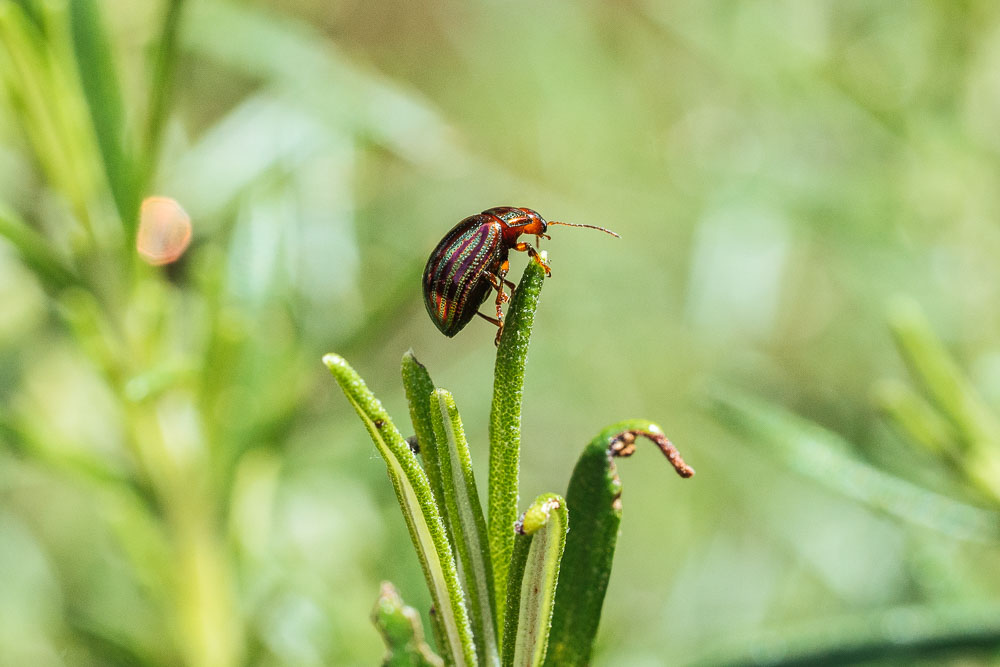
498,281
497,322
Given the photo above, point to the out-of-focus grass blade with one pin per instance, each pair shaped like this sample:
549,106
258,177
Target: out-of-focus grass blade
915,417
400,627
940,376
825,457
221,169
417,503
534,573
109,645
37,67
298,55
160,87
594,499
99,80
902,635
24,69
36,252
31,10
81,310
505,425
419,386
24,440
468,527
943,381
78,155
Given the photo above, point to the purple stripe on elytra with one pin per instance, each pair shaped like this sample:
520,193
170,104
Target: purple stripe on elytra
439,284
446,250
461,278
458,264
446,259
445,264
463,273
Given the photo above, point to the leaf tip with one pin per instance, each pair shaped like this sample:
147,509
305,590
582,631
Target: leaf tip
536,516
623,445
410,358
334,361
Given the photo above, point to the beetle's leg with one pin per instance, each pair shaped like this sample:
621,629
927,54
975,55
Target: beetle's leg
497,283
497,322
491,320
527,247
502,273
501,298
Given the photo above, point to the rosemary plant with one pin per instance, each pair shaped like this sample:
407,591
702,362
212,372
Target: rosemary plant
506,590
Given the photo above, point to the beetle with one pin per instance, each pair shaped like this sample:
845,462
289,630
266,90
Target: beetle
471,260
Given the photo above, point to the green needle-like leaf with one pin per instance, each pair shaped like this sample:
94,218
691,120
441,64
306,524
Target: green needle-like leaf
421,513
948,388
36,252
917,418
99,81
825,457
160,86
401,629
468,527
27,71
594,497
505,425
940,376
917,634
534,573
419,386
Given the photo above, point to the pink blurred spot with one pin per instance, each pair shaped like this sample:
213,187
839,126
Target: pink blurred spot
164,230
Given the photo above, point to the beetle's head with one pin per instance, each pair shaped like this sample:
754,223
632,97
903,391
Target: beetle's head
535,224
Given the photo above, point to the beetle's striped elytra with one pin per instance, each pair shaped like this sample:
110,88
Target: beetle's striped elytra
471,260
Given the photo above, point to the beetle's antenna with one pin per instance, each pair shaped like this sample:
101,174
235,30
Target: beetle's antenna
573,224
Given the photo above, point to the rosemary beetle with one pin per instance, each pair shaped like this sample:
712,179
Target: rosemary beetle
471,260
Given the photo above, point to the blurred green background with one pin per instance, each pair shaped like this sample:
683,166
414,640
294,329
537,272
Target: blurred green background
181,482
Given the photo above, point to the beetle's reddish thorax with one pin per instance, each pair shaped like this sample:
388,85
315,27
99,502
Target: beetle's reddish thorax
517,221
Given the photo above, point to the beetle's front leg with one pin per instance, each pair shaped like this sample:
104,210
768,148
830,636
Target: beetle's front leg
528,248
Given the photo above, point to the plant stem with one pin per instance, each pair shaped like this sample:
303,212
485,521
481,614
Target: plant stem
505,426
160,87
